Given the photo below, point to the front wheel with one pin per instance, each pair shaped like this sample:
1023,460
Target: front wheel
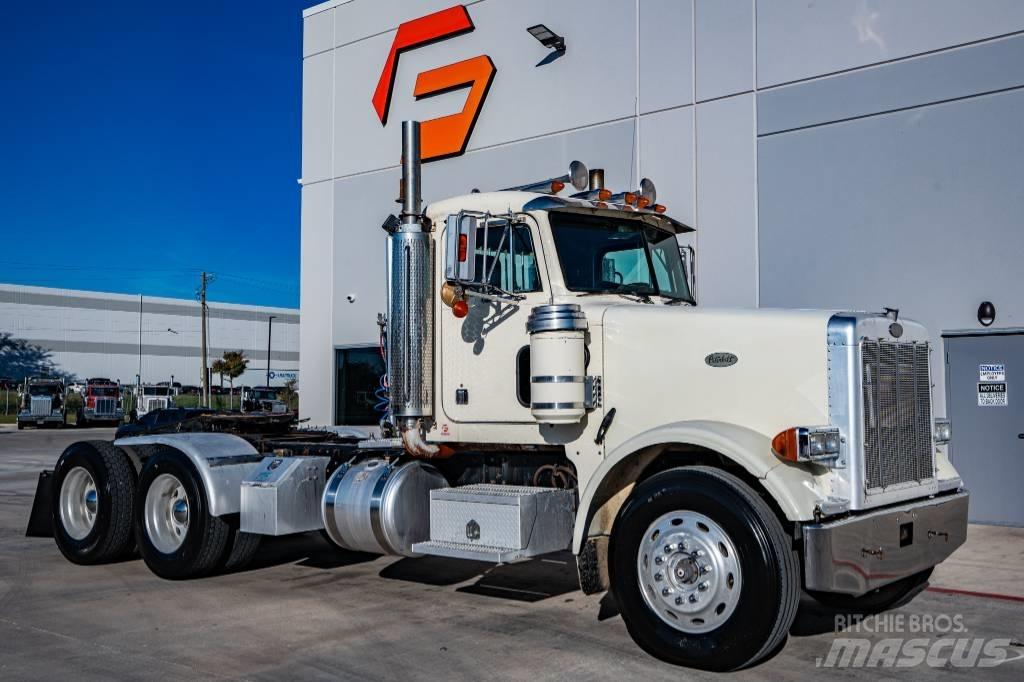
175,533
702,570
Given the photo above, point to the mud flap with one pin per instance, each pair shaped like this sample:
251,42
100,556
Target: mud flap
40,523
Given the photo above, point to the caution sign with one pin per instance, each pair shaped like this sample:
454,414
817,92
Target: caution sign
992,394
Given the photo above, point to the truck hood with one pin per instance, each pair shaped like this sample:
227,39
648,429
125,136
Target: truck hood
763,369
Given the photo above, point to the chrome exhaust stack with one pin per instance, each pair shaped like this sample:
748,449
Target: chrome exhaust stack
410,362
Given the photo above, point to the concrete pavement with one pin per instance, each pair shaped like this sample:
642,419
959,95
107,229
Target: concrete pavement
308,611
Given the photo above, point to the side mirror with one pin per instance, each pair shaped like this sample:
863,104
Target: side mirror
690,268
460,248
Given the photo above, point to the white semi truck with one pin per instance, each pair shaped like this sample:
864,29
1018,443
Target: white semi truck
553,385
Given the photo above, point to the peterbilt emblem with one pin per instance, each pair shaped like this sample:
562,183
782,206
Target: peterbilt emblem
720,359
473,530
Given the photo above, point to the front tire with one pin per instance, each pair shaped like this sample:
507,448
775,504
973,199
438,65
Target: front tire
176,535
94,489
702,570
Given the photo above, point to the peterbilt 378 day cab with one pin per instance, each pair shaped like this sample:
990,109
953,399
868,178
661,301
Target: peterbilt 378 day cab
101,403
43,403
554,386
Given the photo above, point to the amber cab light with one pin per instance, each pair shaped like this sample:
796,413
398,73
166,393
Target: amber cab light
642,202
787,445
630,198
802,444
659,208
604,194
557,186
463,247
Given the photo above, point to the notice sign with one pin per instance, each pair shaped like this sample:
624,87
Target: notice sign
992,372
992,394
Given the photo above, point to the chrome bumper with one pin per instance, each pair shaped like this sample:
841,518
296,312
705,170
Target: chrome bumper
860,553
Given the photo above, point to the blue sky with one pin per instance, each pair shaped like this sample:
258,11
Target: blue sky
143,142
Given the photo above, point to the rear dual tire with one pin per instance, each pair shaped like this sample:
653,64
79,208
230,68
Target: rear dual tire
93,489
702,570
177,536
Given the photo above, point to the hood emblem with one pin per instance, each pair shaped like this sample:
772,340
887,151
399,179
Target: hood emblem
720,359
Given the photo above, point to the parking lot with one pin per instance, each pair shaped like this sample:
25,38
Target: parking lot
305,610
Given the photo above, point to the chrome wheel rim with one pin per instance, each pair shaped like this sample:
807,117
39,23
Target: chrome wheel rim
78,503
689,571
166,513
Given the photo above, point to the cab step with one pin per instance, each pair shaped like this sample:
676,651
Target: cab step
498,523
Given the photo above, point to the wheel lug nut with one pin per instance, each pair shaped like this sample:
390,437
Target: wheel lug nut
700,552
705,568
665,592
704,586
658,560
668,549
693,598
658,576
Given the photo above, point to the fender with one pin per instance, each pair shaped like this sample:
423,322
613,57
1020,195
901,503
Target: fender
796,488
223,460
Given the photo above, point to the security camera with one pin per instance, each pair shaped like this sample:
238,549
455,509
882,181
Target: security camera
351,298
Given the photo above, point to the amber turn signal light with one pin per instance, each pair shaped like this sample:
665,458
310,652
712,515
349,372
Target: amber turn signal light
787,445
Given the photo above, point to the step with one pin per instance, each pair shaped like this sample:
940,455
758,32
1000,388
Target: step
498,523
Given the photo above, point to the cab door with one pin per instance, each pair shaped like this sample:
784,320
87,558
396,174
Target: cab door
485,355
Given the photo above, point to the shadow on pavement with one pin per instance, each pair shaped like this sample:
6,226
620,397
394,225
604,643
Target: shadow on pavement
525,581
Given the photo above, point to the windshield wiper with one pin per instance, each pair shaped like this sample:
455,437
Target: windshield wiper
634,291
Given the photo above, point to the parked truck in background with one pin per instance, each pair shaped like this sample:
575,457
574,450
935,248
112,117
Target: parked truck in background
262,399
42,403
101,403
552,385
149,397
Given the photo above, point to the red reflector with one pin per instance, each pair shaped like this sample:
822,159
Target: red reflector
463,247
460,309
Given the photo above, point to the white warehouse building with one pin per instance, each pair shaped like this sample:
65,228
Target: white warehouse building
84,334
843,155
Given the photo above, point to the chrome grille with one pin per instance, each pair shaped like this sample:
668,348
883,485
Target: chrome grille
41,407
897,413
105,406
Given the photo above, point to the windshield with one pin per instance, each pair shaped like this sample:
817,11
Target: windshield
103,391
600,255
44,389
258,394
155,390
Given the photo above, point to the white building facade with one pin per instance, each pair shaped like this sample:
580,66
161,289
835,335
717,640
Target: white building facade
851,154
86,334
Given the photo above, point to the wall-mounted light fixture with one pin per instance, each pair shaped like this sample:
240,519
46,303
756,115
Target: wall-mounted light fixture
986,313
547,37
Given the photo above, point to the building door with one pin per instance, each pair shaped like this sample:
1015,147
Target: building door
985,401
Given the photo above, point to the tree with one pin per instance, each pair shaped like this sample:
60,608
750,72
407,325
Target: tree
220,368
290,395
234,364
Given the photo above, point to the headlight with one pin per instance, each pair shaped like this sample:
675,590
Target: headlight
943,431
807,444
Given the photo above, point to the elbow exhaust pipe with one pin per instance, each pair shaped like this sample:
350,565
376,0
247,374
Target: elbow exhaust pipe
410,362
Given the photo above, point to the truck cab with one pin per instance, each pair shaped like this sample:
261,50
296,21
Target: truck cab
149,397
42,403
262,399
101,403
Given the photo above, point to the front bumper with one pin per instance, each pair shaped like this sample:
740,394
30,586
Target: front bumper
103,416
40,420
860,553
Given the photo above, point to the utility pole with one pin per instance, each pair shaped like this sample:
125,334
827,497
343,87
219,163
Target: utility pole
270,327
204,377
